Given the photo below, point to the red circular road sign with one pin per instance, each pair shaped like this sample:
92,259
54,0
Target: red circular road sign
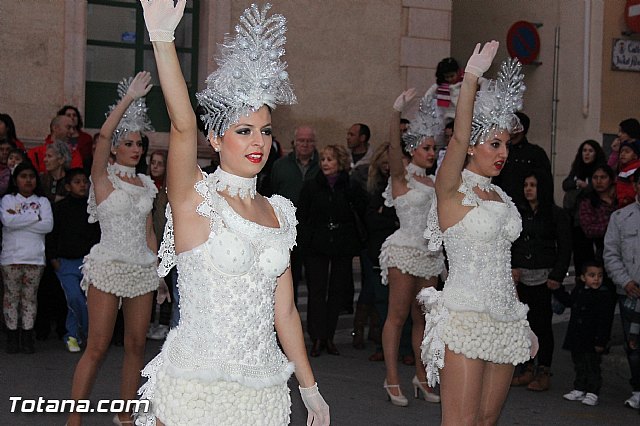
632,15
523,42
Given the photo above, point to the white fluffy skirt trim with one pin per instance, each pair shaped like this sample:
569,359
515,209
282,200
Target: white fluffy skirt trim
417,262
180,401
476,335
119,278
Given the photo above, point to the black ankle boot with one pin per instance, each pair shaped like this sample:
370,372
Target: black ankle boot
13,344
26,338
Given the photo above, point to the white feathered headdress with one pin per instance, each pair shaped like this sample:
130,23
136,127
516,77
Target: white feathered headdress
427,123
250,73
495,106
134,119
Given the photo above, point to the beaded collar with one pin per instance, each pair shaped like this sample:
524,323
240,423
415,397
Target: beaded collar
412,169
123,171
235,186
473,179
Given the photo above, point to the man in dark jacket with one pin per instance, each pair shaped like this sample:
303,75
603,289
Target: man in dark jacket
288,174
523,158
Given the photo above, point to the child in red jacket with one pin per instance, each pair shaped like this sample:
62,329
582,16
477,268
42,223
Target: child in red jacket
629,162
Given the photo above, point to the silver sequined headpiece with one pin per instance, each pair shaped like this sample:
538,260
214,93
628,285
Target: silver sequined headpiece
135,118
250,73
495,105
426,124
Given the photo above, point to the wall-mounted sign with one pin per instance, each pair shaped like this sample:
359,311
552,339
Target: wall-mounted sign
625,55
523,42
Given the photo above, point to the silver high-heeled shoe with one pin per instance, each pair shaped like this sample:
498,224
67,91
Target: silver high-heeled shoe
422,388
400,400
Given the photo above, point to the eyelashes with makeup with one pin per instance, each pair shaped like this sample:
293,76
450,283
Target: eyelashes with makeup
245,131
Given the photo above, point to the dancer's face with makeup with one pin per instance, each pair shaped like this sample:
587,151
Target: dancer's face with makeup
129,149
488,158
244,147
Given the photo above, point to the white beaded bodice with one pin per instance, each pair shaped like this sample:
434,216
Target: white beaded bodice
412,209
479,252
227,294
122,217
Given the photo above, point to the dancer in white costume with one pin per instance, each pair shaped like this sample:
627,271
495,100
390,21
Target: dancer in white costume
476,329
222,365
120,269
406,263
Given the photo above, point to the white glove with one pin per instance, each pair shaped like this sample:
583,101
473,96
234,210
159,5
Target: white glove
140,85
162,18
480,60
404,99
534,344
317,408
163,293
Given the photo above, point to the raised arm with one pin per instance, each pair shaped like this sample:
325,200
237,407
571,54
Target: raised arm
138,88
161,18
396,166
449,172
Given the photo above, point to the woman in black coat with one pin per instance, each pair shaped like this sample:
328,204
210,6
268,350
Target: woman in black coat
328,214
540,258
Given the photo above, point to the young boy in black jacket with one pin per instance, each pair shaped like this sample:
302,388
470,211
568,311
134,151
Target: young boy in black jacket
589,331
71,239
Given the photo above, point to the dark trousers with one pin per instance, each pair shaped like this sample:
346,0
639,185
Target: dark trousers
367,295
633,355
296,271
587,368
538,298
52,305
328,278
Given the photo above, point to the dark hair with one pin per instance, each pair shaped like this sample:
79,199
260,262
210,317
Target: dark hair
446,66
18,151
544,192
25,165
11,129
364,131
142,166
524,120
450,124
581,170
200,111
591,264
404,121
71,173
63,111
593,195
631,126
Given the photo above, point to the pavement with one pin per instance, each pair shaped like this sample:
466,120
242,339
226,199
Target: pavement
351,385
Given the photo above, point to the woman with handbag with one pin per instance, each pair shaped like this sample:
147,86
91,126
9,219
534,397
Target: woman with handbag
330,228
406,264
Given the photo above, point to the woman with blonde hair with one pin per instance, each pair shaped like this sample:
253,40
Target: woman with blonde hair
329,212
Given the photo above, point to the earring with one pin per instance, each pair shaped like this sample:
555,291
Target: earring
216,149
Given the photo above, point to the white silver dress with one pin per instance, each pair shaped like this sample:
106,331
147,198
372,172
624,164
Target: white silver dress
406,249
478,313
122,263
222,365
